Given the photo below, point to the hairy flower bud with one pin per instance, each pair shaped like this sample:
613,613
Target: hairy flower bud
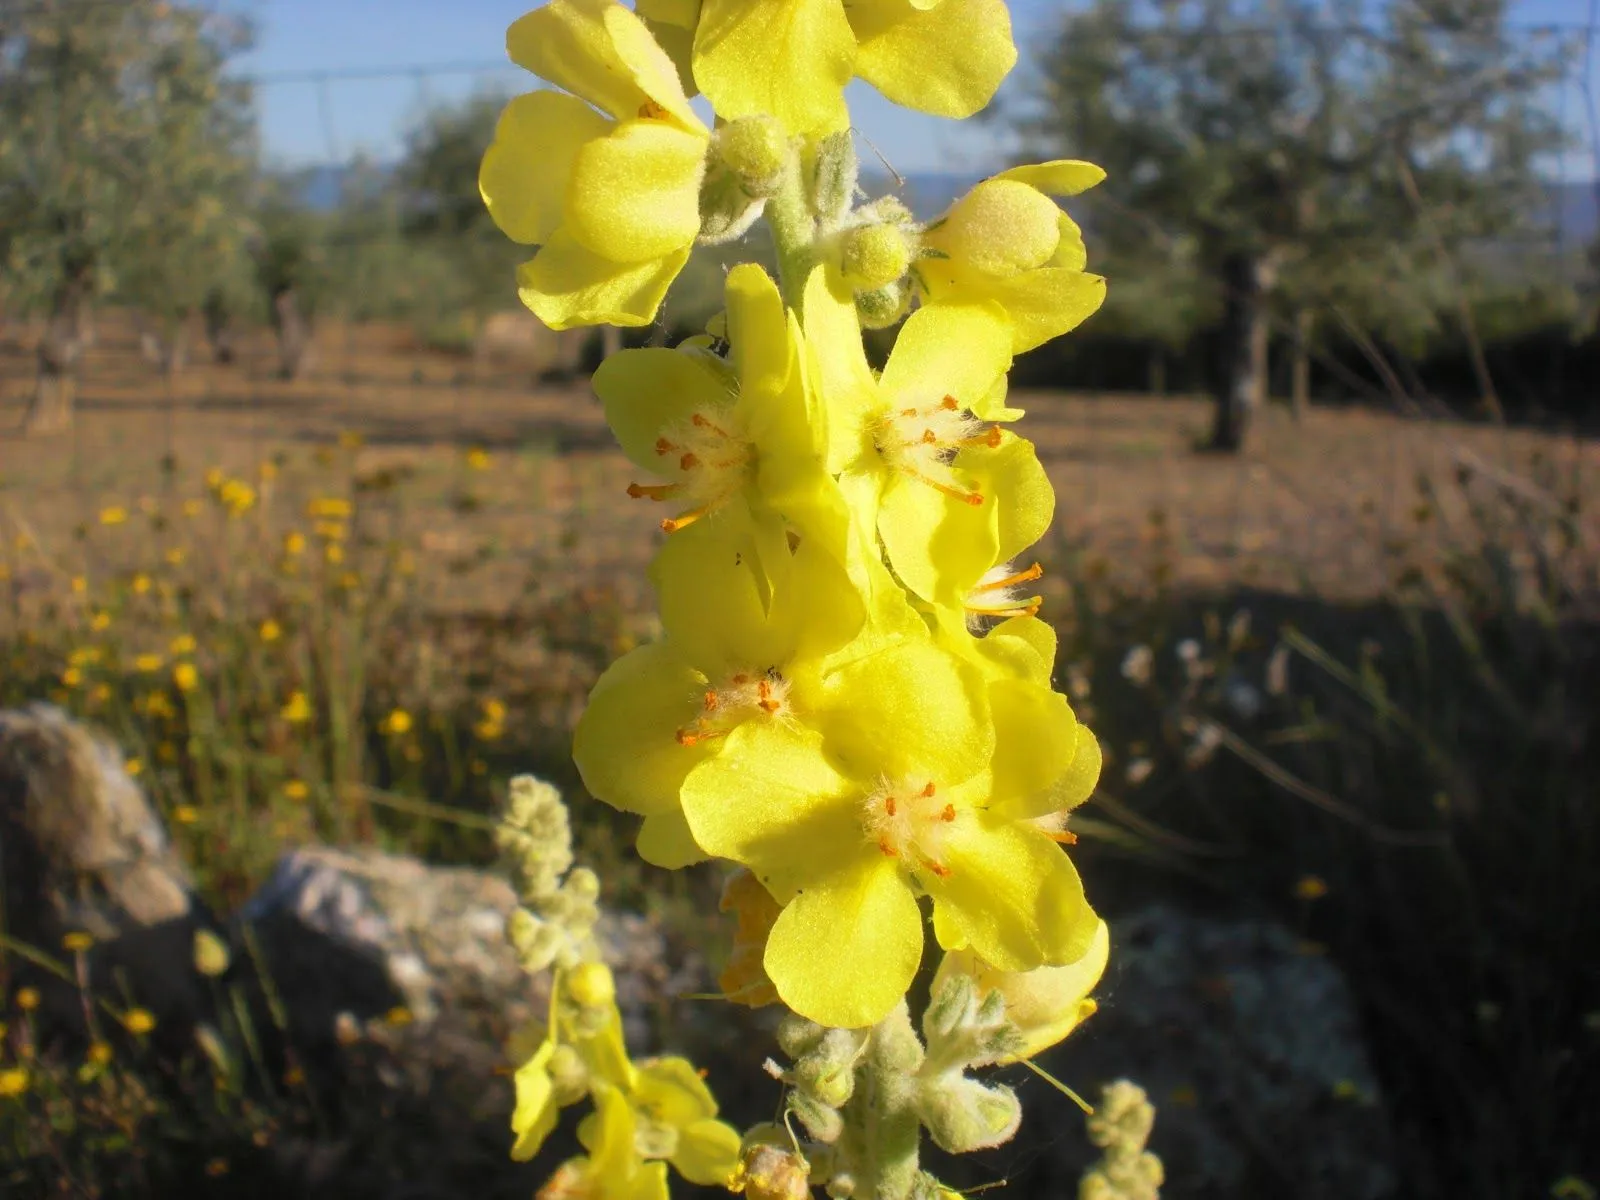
963,1115
873,256
773,1173
756,149
592,985
882,307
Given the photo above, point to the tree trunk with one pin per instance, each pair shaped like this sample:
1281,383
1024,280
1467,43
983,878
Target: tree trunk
219,329
1242,349
294,333
60,350
1300,369
1156,378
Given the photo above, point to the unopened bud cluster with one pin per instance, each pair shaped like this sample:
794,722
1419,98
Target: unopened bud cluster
554,923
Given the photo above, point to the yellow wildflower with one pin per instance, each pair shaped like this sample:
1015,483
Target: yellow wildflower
135,767
77,941
71,677
113,515
478,459
398,1017
333,554
331,531
193,508
792,58
215,478
14,1082
80,585
210,954
329,508
148,663
140,584
27,998
294,543
606,179
297,710
349,439
175,556
237,496
397,723
184,677
185,814
99,1053
296,789
181,645
1310,887
138,1021
100,622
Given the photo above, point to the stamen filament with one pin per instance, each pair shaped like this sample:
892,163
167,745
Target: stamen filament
1028,576
682,520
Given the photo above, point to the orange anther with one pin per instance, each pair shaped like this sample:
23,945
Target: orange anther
883,844
928,791
664,447
948,813
1065,836
949,404
702,421
929,438
653,491
740,679
939,869
688,462
888,805
651,111
711,702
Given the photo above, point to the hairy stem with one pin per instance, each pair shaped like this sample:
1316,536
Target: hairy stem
794,231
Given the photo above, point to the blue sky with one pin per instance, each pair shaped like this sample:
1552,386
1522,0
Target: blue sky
457,45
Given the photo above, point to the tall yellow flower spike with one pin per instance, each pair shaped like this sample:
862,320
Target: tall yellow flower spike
850,702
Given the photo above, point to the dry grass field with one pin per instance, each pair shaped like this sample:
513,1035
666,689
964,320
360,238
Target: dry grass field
524,474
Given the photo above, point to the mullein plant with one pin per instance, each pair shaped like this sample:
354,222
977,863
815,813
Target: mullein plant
851,701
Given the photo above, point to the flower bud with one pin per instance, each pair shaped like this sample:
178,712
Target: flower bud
591,984
210,953
963,1115
756,149
873,256
1043,1005
882,307
823,1122
569,1076
834,178
1000,227
773,1173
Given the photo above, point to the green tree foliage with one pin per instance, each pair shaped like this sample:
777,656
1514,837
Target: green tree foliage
124,160
1271,152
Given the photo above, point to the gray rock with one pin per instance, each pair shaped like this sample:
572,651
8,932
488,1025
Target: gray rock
362,944
81,849
1251,1049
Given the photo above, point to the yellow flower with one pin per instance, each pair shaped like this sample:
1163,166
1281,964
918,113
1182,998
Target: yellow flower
210,954
1310,887
186,814
792,58
84,656
27,998
1006,242
138,1021
398,1017
610,193
76,942
331,531
478,459
148,663
297,711
135,767
193,508
333,553
140,584
99,1053
329,508
397,723
100,622
184,677
175,556
14,1082
214,478
71,677
294,544
1045,1004
237,496
296,789
181,645
80,585
114,515
100,693
269,631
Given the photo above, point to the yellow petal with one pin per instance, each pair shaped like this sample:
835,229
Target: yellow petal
536,1111
599,50
844,951
946,59
665,841
647,390
999,227
523,178
1077,782
567,284
947,350
788,58
625,744
1013,895
635,194
758,331
708,1153
1062,177
1036,740
840,373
